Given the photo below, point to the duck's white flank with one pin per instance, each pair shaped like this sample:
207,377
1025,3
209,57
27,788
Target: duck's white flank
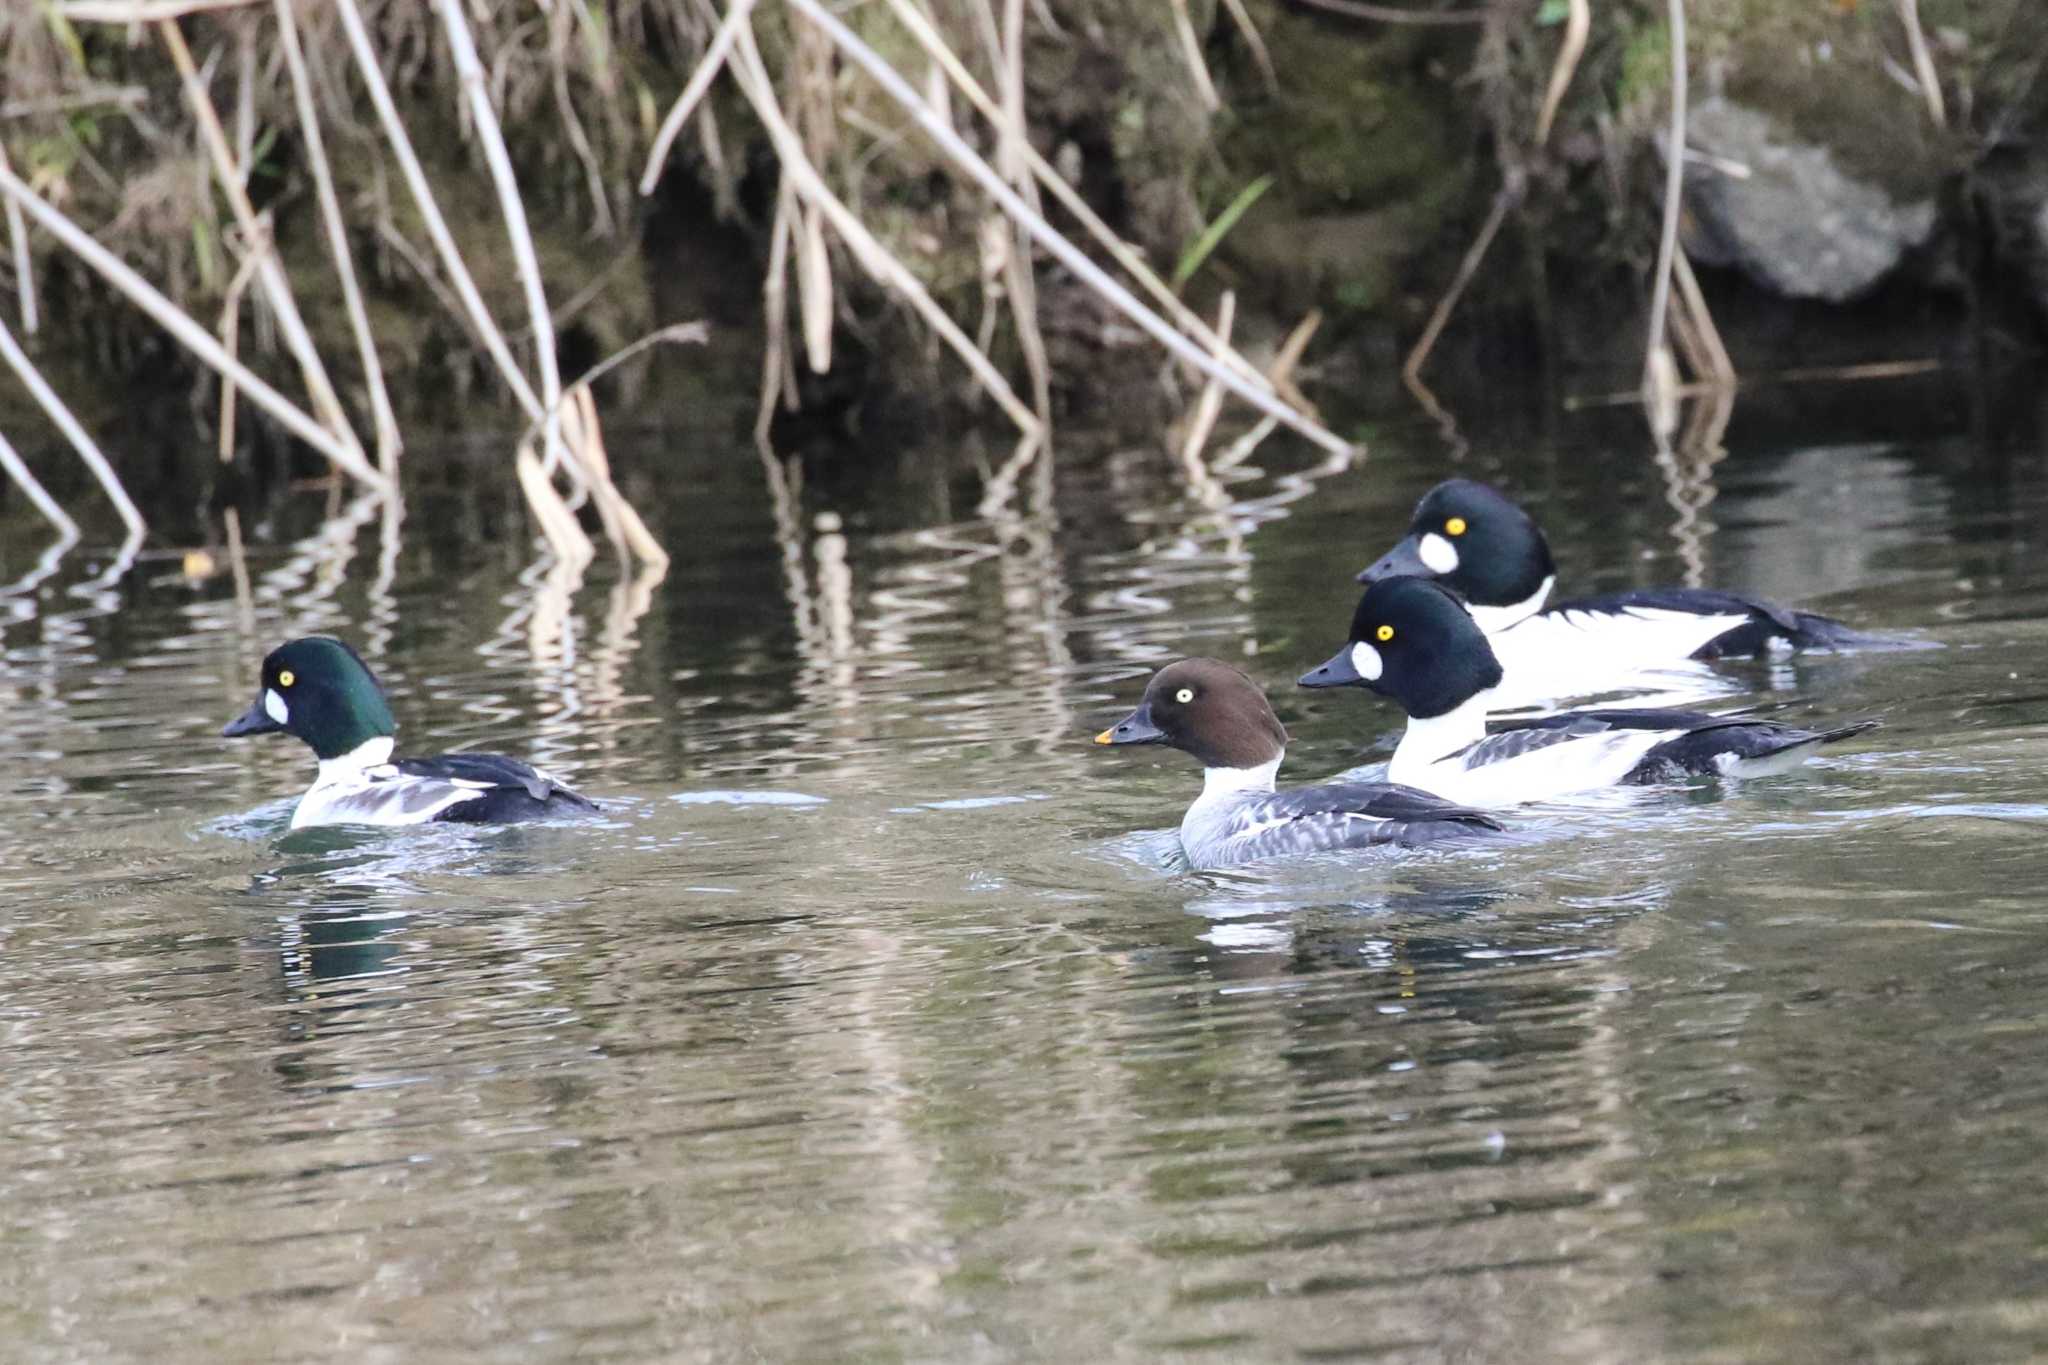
1432,756
362,787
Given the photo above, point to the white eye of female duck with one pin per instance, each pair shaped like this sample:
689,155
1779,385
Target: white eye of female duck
1185,695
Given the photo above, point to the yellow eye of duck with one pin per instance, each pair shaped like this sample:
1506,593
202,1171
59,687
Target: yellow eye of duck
1385,633
1455,526
1185,695
285,678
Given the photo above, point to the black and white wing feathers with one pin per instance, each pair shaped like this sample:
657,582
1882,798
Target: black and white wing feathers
1359,815
506,790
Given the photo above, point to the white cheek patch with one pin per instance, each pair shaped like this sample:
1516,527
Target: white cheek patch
1367,661
1439,554
274,707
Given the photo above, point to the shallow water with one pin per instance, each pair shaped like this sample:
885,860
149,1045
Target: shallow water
875,1020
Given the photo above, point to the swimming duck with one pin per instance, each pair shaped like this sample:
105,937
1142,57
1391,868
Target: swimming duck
1414,641
1476,541
1213,711
320,690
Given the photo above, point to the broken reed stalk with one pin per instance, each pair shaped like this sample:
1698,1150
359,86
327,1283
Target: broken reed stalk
382,416
873,256
270,274
88,449
1055,184
1654,372
1257,394
24,279
13,467
187,332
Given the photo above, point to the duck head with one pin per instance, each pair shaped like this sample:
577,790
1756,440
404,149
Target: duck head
1476,541
320,690
1206,708
1413,641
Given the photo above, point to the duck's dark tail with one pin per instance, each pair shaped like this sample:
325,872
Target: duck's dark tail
1811,630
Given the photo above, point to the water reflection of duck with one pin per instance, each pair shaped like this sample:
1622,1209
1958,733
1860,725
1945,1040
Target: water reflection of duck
320,690
1478,542
1413,641
1211,710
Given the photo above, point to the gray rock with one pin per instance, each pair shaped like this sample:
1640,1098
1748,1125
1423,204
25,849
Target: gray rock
1796,224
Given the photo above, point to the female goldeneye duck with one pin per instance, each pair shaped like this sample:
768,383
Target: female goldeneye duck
1413,641
320,690
1474,540
1211,710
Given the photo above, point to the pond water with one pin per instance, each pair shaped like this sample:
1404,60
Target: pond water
874,1019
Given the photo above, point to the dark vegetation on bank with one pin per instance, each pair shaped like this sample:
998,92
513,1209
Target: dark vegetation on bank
1297,156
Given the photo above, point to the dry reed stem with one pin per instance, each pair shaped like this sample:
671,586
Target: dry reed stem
126,96
1122,252
238,565
621,522
1288,359
1191,51
1387,14
469,69
1002,485
270,274
1210,404
1655,372
389,441
1923,62
1715,366
1577,24
1411,370
24,277
188,333
231,342
1254,40
141,11
88,449
693,91
774,308
1068,254
1241,449
809,185
16,469
557,523
814,288
1023,282
430,212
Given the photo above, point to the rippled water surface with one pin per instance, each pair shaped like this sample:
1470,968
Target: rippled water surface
875,1020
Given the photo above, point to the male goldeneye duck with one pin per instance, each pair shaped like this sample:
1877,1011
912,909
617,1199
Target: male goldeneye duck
1479,543
320,690
1413,641
1216,713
